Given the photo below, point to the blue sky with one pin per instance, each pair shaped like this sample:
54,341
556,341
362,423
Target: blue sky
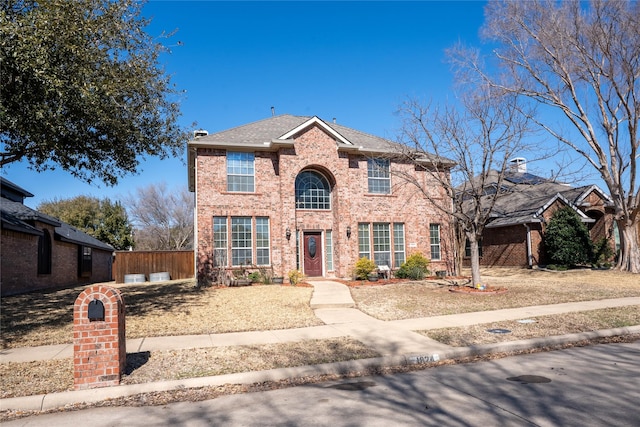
353,61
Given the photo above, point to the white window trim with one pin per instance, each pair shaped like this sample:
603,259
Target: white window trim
253,175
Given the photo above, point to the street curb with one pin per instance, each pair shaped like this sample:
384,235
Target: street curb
43,402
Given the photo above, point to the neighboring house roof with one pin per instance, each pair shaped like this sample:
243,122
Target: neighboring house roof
11,191
16,216
525,197
25,213
11,222
278,131
68,233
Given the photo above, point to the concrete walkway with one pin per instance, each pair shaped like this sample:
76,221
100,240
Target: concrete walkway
396,341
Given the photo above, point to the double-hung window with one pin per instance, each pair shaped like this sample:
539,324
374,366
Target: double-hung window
434,237
220,241
262,241
241,237
240,172
381,244
398,245
378,172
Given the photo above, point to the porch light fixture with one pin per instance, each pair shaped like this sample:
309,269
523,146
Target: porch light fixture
287,233
348,231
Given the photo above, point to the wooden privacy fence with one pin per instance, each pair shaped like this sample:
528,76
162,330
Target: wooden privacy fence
179,264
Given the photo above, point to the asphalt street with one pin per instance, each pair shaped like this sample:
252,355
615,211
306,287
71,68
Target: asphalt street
590,386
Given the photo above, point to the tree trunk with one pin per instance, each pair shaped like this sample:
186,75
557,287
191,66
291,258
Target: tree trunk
460,240
475,259
629,259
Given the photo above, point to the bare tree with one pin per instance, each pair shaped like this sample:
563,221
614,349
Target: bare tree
163,218
480,136
581,62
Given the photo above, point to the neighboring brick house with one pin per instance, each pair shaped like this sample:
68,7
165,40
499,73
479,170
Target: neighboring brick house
514,235
41,252
292,192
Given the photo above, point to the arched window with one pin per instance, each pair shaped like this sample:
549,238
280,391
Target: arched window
312,191
44,253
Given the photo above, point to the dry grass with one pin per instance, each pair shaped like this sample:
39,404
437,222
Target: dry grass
525,288
25,379
176,308
171,308
544,326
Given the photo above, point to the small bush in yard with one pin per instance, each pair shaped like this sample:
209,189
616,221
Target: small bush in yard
363,267
295,277
414,268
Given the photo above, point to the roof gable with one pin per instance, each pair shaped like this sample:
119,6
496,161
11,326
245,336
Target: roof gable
562,199
316,121
593,189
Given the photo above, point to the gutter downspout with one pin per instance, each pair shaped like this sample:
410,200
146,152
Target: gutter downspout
529,250
195,218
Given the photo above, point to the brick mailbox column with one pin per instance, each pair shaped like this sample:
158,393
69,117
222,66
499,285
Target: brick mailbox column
99,347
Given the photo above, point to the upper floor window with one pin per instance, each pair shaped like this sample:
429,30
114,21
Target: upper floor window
312,191
379,176
240,172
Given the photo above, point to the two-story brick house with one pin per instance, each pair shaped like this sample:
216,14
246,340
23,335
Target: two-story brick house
293,192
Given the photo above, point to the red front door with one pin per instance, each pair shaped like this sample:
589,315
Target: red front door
313,254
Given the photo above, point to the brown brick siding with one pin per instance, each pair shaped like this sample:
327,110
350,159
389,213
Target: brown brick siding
19,253
506,246
274,197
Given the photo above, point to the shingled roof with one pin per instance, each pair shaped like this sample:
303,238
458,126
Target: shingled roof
263,132
524,200
16,216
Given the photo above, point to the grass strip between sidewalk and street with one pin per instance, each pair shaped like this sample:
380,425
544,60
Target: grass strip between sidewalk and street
23,379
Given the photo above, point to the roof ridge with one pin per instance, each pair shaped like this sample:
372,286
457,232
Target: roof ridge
358,131
279,116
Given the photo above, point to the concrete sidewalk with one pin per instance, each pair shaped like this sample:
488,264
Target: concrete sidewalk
396,341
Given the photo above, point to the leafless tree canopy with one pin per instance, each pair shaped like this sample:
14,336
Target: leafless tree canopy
581,63
480,135
162,217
